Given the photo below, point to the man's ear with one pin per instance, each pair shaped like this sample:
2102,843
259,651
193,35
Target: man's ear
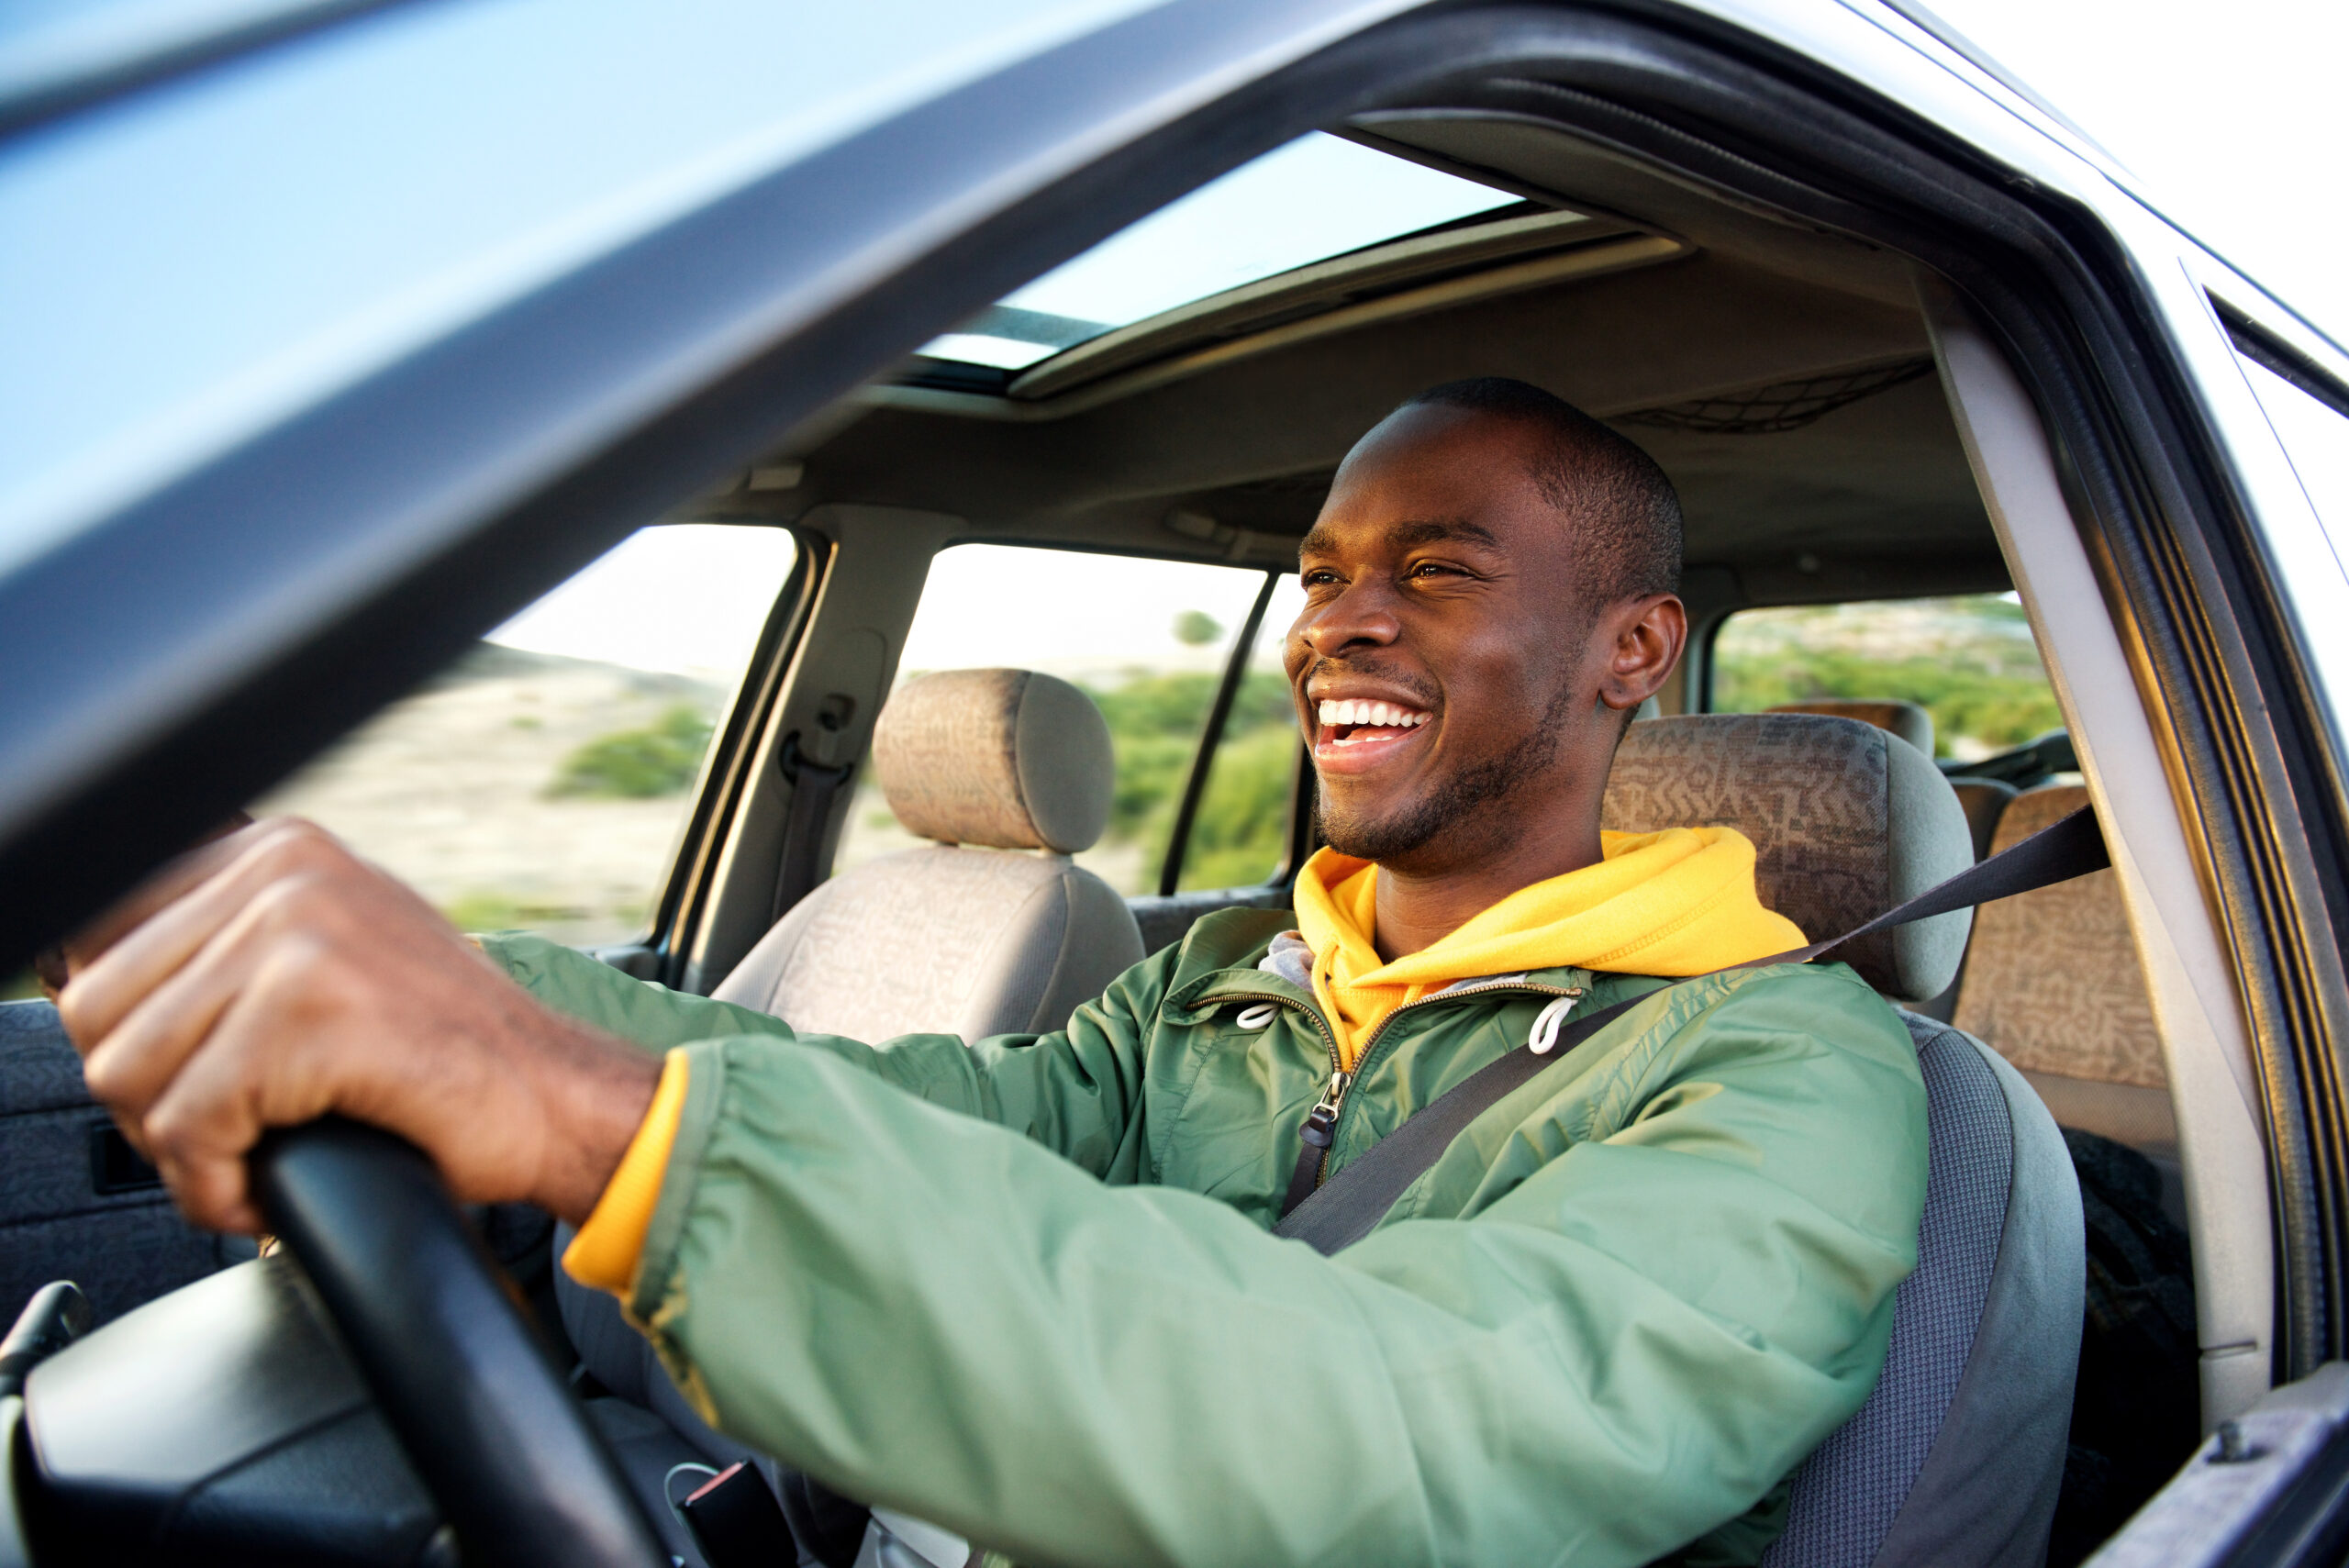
1643,638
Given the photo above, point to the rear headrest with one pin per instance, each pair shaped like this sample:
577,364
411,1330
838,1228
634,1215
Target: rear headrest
1847,820
1906,719
1007,759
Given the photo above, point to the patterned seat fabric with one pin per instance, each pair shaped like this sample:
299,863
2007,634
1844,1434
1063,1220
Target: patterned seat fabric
2082,1029
1891,715
1846,821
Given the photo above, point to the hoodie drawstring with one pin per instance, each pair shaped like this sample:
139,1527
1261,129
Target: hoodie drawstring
1544,1035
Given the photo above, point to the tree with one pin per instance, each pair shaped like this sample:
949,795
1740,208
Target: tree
1196,629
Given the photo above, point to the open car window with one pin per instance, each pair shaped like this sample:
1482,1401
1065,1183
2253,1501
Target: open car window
540,782
2311,418
1241,830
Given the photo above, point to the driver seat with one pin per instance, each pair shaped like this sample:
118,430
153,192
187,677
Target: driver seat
1957,1456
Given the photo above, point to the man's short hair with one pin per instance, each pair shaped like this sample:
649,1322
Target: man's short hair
1619,498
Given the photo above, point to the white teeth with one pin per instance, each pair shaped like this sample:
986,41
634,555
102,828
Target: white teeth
1373,714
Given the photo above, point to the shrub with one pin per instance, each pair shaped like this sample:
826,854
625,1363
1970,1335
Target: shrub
637,765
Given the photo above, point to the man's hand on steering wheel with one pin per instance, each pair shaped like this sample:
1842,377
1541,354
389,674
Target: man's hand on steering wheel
270,977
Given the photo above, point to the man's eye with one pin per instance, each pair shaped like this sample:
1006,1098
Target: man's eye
1430,569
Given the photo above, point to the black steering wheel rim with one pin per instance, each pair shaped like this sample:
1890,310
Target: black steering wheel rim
492,1428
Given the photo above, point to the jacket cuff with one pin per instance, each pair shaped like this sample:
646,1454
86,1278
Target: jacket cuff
604,1254
702,1068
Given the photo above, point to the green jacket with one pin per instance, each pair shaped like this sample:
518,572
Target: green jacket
1024,1288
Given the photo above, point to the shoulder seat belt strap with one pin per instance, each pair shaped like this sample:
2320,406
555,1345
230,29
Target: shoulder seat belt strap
1345,1208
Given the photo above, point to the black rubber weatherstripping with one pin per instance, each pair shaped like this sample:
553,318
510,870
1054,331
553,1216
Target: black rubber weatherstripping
1346,1207
484,1414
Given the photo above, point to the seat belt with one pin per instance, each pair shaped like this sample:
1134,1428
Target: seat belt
1345,1208
813,786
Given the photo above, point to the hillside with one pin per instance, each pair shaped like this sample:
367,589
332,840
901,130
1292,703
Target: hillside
449,788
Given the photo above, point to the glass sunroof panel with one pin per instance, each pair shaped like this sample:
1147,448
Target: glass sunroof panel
1317,197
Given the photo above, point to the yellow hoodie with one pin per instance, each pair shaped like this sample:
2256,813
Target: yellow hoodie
1675,903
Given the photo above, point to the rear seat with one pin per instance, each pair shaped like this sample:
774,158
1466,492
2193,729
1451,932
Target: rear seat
1985,800
2053,984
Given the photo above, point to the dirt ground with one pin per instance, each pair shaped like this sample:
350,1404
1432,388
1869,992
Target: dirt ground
448,789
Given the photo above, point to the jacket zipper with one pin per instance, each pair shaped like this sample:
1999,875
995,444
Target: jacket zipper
1321,1123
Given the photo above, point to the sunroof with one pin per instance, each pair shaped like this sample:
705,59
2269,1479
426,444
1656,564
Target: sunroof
1316,197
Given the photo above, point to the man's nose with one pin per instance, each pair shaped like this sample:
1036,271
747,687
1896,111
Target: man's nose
1362,616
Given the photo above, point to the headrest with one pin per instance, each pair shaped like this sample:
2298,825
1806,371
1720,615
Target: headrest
1847,820
1007,759
1906,719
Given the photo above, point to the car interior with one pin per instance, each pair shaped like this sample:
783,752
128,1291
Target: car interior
1805,393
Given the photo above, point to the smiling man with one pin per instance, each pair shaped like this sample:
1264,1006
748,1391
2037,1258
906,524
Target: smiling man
1024,1288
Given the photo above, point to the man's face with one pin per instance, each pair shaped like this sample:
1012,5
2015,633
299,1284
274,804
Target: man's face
1448,664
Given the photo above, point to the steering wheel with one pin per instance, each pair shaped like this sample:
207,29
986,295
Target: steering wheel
491,1426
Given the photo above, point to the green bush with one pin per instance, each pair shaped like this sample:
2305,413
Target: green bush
637,765
1241,829
1196,629
1976,671
1154,723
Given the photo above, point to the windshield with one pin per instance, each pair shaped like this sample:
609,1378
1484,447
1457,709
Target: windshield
1317,197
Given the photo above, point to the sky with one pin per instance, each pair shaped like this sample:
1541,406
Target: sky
2230,115
686,598
2233,128
1319,196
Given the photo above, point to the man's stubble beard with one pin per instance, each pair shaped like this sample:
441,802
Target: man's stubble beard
1459,802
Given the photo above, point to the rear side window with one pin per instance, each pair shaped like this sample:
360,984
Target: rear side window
1152,642
1968,661
542,780
2311,419
1241,831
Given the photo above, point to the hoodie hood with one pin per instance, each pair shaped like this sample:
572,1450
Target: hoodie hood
1676,902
